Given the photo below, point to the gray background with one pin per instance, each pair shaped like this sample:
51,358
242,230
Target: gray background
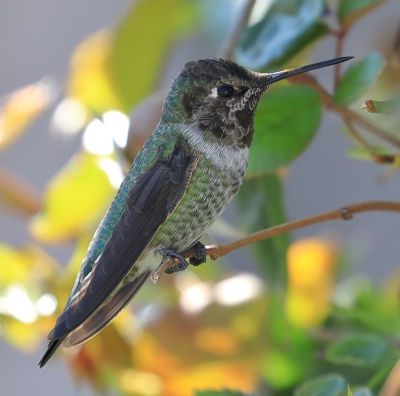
37,39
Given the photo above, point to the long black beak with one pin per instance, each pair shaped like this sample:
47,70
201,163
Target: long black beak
274,77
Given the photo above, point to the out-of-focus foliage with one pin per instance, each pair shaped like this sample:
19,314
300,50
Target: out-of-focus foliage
329,385
17,195
20,108
141,45
116,69
263,194
281,32
89,80
311,267
301,328
358,350
216,393
382,106
293,110
75,199
26,306
350,11
358,78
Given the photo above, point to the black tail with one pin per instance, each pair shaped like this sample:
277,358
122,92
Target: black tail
51,348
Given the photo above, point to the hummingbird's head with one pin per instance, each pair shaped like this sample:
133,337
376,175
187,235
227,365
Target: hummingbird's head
220,97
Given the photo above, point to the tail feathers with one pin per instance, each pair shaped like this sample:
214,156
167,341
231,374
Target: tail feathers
51,348
103,316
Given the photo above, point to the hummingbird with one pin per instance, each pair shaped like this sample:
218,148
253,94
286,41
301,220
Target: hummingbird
184,176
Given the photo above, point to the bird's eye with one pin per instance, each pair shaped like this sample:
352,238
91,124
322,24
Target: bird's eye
226,91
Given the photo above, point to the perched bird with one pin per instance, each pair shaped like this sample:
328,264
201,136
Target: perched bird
182,179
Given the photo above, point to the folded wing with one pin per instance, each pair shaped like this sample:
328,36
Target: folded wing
151,200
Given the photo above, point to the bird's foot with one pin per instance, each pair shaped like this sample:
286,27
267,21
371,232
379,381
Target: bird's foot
201,255
181,263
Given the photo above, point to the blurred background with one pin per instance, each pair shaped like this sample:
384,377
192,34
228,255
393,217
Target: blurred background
38,45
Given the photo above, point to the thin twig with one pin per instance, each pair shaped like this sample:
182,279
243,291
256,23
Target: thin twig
229,43
354,133
339,52
345,213
378,158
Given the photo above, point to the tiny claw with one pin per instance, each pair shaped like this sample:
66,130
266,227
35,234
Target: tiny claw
201,254
180,263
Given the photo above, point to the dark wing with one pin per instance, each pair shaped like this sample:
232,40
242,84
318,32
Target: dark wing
151,200
106,313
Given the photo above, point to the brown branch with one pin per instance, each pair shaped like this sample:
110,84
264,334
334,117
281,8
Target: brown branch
18,194
345,213
229,43
391,387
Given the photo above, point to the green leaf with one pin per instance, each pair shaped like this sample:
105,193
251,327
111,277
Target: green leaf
349,11
369,153
260,206
382,106
286,121
357,350
286,28
327,385
284,367
349,392
358,78
224,392
142,43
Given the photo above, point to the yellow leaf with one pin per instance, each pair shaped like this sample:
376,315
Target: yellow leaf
14,265
141,383
21,108
218,341
310,261
143,41
75,199
240,375
89,80
23,265
311,269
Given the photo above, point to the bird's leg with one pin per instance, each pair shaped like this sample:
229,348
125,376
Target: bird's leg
181,263
201,255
